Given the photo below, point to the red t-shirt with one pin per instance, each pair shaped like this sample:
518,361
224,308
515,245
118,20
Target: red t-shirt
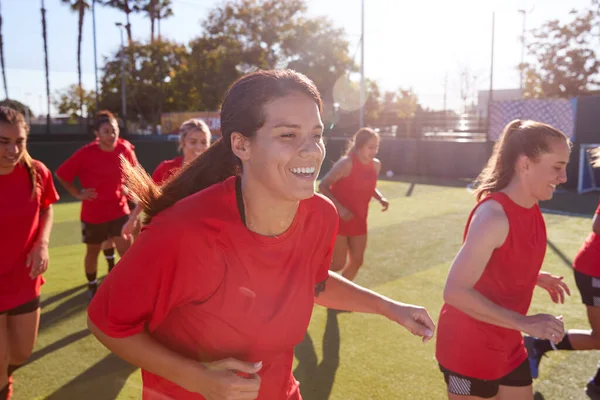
587,260
166,169
205,286
475,348
100,170
354,192
21,213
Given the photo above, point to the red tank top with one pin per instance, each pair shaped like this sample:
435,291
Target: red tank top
354,192
475,348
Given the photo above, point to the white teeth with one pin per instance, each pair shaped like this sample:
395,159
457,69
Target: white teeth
303,170
554,186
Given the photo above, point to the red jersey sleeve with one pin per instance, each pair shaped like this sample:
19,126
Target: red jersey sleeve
69,169
168,265
159,172
330,222
49,194
598,209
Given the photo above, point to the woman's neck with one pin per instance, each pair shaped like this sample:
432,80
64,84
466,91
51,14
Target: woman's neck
266,214
518,193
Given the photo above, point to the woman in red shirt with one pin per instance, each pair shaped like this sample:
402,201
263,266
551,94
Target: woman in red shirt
586,267
350,185
104,208
194,139
490,285
245,246
27,194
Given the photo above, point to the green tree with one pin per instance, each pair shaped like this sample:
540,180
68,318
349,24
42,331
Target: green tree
280,34
127,7
152,82
157,10
73,99
565,60
79,6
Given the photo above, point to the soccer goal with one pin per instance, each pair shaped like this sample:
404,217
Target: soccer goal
588,177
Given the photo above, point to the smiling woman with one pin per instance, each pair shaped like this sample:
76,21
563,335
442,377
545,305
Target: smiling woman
245,243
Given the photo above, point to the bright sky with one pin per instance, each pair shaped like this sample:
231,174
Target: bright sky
407,43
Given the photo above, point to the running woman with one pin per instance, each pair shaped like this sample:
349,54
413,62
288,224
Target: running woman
27,194
350,185
480,348
587,276
104,208
245,247
194,139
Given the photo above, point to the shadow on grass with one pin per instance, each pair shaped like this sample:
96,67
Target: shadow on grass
67,309
560,254
59,344
538,396
102,381
410,189
59,296
316,379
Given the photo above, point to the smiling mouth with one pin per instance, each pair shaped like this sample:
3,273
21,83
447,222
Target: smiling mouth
305,172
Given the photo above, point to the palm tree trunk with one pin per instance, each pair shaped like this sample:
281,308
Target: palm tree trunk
79,40
128,27
152,12
45,36
2,59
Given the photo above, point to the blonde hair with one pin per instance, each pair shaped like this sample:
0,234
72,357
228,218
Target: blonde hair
529,138
192,125
13,117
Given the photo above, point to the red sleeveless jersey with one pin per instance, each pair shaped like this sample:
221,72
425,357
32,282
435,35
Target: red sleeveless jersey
587,260
354,192
475,348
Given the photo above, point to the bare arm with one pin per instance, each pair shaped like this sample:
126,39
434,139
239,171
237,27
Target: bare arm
377,194
38,258
209,379
596,224
339,170
487,232
84,194
342,294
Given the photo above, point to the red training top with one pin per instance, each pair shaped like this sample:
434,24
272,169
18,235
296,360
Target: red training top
100,170
354,192
212,289
20,215
475,348
166,169
587,260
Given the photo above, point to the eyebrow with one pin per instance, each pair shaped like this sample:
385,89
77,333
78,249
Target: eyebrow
295,126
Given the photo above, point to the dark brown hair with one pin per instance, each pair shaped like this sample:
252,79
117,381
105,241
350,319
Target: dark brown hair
360,139
243,112
103,117
13,117
529,138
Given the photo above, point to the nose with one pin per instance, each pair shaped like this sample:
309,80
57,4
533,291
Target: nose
310,148
562,177
13,149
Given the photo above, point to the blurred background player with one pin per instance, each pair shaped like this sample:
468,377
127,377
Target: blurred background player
350,185
194,139
489,288
104,207
27,193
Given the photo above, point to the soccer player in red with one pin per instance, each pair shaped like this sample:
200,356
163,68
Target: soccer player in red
235,255
350,185
27,194
490,285
104,207
586,267
194,139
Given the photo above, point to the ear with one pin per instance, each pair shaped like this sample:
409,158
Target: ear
523,163
240,145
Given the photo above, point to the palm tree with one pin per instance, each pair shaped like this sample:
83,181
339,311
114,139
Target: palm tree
45,36
127,6
2,58
157,10
163,11
79,6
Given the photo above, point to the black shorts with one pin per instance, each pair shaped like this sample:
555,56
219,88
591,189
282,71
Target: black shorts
589,288
465,386
26,308
98,233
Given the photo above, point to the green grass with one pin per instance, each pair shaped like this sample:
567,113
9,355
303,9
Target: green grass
344,355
